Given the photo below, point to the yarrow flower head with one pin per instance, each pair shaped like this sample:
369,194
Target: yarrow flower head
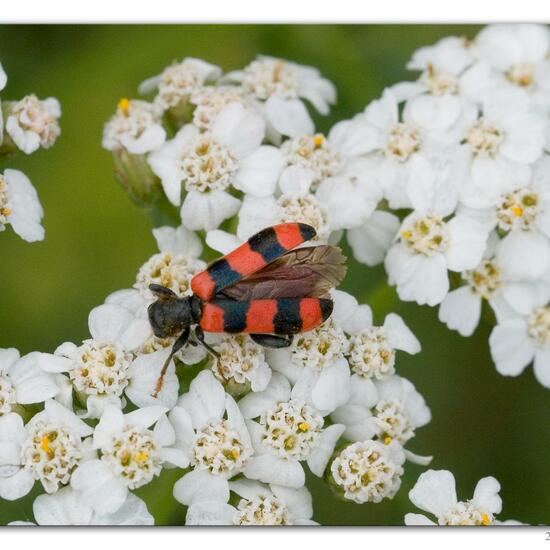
22,381
240,363
32,123
19,206
209,102
315,363
179,81
293,203
132,454
279,86
211,432
135,127
98,368
435,493
368,471
67,508
286,431
206,165
258,504
47,449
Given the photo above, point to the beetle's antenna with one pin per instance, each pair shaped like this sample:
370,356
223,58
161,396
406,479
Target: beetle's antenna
178,344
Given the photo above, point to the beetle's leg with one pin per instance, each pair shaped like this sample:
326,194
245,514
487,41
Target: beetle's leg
199,335
178,344
271,340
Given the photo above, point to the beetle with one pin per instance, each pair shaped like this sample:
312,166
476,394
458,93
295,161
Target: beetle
267,287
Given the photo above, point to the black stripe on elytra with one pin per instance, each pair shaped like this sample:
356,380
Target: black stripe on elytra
234,315
222,274
327,306
307,231
287,320
265,243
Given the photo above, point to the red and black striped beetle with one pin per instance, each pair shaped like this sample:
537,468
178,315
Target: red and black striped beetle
266,287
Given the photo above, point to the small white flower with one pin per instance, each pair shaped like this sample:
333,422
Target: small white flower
286,432
174,266
444,67
521,215
519,54
368,471
211,432
400,410
282,85
519,339
428,246
178,81
342,179
132,454
47,449
404,150
240,362
259,504
22,381
498,143
209,102
32,123
135,127
207,164
66,507
19,206
435,492
316,366
372,349
294,203
461,308
98,369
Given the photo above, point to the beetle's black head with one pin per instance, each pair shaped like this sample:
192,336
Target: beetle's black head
169,315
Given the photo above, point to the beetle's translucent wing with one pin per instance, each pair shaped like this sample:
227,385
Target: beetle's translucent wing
310,271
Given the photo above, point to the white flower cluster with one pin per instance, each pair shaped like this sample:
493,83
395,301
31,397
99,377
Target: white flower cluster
241,431
462,150
480,209
25,125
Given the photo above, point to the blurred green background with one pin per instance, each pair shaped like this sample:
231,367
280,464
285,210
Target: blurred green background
483,424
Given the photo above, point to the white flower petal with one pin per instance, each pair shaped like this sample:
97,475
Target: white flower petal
400,335
320,456
207,210
541,367
288,116
461,310
272,469
486,495
511,348
205,400
26,209
240,129
253,404
434,492
210,513
258,173
201,486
